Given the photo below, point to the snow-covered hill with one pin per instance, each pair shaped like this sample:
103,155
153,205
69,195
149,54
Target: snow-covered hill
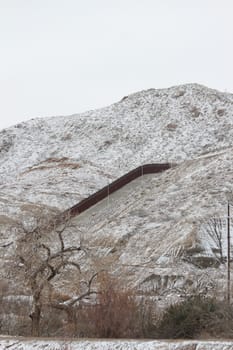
152,231
58,161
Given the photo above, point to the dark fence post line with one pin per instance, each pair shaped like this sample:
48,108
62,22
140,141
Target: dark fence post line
112,187
228,254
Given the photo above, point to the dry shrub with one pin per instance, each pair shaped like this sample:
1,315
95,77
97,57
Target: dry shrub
116,313
53,323
194,317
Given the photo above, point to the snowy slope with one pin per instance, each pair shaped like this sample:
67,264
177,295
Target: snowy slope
152,231
58,161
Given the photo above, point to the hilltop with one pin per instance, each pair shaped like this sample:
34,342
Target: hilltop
60,160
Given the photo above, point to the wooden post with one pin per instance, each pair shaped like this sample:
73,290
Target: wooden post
228,255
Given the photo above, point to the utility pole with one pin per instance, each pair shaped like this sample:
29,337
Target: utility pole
228,254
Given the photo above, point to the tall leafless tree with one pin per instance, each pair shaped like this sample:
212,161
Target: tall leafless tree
43,260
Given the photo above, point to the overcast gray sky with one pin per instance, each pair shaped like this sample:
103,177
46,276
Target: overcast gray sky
60,57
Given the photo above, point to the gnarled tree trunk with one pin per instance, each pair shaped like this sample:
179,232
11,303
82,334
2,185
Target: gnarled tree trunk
35,317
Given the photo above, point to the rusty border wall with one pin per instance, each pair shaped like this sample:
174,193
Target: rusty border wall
112,187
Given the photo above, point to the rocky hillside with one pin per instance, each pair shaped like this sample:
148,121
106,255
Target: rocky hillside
58,161
153,231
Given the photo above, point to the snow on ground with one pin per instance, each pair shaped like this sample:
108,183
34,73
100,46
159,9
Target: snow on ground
151,230
26,344
55,162
58,161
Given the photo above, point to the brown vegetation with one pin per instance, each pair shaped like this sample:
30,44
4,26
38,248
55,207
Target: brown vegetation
196,317
43,257
116,312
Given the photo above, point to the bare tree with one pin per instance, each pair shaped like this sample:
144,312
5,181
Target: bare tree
70,305
214,228
44,257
